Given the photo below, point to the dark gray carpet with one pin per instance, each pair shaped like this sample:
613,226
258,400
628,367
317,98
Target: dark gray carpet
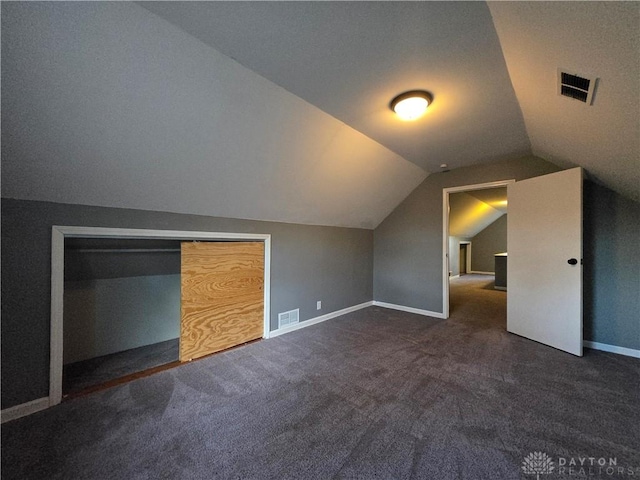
376,394
95,371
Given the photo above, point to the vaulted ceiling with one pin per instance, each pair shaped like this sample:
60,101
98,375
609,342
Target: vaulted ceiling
596,39
279,110
472,211
351,58
494,197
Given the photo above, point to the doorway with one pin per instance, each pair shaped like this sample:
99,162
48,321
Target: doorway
465,257
60,233
459,231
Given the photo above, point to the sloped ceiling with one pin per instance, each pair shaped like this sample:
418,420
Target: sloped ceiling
351,58
494,197
600,39
279,110
104,103
469,215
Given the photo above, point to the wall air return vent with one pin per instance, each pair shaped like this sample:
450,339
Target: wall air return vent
578,87
288,318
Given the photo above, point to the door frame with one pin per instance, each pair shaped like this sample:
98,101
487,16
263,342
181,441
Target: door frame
445,232
467,258
58,235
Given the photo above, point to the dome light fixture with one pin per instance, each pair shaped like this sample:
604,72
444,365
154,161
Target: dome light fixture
411,105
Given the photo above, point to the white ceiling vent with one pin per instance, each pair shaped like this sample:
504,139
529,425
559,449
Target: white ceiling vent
578,87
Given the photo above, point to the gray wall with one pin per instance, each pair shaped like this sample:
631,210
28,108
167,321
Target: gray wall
487,243
408,250
105,316
308,263
408,243
611,267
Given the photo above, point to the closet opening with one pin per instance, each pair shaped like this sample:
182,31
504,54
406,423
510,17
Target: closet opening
121,309
128,303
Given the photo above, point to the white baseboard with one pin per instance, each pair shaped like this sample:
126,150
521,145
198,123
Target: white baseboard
629,352
504,289
322,318
451,277
482,273
402,308
24,409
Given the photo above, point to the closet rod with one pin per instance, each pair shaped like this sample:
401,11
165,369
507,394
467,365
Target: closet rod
124,250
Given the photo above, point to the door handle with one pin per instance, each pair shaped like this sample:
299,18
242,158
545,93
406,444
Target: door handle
572,261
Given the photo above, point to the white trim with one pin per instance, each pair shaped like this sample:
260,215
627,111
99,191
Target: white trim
445,253
101,232
24,409
322,318
59,233
453,277
482,273
504,289
445,233
479,186
267,288
402,308
629,352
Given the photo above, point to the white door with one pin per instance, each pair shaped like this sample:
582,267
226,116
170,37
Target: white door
544,263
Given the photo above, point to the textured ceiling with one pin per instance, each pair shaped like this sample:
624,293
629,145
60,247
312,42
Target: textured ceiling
104,103
279,110
351,58
600,39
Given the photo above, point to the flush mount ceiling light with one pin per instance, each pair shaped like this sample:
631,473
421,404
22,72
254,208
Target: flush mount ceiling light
411,105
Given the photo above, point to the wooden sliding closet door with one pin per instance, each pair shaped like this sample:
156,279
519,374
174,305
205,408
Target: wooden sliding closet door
222,296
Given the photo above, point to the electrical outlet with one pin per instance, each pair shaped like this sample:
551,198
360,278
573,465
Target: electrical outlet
319,305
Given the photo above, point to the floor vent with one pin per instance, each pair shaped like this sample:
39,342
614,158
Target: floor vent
288,318
576,86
